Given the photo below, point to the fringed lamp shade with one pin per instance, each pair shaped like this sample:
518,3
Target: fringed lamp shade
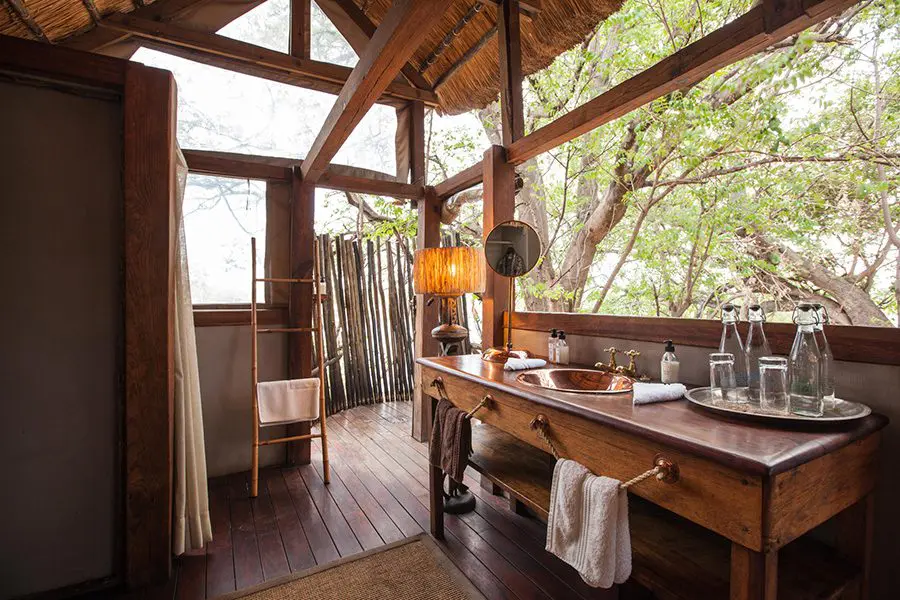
449,272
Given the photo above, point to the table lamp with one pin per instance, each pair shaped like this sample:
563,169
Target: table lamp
448,273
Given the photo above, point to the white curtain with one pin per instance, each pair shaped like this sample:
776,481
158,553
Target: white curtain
192,528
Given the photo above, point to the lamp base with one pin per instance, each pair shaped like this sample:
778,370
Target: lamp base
501,355
449,332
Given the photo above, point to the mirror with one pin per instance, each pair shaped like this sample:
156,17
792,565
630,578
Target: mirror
512,248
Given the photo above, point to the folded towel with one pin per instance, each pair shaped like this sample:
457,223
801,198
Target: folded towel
451,440
647,393
588,524
287,401
518,364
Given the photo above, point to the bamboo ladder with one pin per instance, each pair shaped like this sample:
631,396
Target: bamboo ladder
254,371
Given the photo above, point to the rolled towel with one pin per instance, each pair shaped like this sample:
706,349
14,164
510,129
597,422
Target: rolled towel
648,393
519,364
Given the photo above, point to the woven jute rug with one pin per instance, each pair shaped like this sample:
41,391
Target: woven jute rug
411,569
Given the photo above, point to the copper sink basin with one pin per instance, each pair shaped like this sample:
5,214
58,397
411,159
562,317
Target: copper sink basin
580,381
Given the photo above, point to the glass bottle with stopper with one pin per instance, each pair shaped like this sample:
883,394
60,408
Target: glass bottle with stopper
731,343
757,346
826,369
805,364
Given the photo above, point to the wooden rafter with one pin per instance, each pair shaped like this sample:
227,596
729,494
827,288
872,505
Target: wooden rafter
358,29
466,57
760,27
509,43
203,15
461,181
401,31
248,58
336,177
300,28
530,8
19,10
451,35
92,10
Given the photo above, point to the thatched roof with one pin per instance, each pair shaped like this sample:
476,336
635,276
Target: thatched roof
560,25
464,66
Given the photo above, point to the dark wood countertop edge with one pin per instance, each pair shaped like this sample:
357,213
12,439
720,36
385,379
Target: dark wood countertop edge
872,423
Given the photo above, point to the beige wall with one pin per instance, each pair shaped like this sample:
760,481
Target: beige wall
224,358
62,306
875,385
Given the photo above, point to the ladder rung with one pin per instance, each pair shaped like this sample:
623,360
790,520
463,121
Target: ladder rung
293,438
283,280
288,330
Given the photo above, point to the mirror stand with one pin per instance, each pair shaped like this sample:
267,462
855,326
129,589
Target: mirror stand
499,354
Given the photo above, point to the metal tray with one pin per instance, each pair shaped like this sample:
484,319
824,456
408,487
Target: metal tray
841,410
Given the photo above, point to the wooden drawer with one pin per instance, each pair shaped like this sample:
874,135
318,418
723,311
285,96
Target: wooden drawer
719,498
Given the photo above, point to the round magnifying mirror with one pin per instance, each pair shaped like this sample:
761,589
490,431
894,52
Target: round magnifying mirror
512,248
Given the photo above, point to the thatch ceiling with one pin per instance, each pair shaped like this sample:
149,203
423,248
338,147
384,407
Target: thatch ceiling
464,68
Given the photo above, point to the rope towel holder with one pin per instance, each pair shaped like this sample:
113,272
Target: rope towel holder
438,382
663,469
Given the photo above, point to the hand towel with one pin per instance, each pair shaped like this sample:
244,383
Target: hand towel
287,401
648,393
451,440
519,364
588,524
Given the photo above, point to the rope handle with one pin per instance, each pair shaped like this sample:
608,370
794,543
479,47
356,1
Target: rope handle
663,469
438,382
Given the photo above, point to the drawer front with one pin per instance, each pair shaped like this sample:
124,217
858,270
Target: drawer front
714,496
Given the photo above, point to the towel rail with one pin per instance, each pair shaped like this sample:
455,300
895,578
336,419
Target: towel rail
663,469
438,382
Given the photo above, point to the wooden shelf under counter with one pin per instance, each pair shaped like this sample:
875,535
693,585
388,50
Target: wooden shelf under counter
672,557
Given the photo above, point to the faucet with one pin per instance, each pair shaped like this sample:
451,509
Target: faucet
631,369
611,367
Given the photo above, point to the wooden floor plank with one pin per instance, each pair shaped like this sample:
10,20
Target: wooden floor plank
247,564
320,541
348,525
219,552
271,547
346,487
296,546
192,576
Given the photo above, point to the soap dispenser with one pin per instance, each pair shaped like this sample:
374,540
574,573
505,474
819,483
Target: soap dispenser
562,349
551,346
669,366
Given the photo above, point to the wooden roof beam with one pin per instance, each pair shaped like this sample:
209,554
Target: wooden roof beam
267,168
463,180
529,8
358,29
227,53
466,57
509,44
757,29
400,33
203,15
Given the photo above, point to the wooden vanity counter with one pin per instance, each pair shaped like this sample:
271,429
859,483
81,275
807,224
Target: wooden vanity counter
744,490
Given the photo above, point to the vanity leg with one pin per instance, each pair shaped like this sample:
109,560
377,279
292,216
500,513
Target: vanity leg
754,575
436,494
855,527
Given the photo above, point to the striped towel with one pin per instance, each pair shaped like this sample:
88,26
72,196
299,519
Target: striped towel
588,524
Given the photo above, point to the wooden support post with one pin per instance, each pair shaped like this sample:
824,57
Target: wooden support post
510,47
429,236
300,27
754,575
300,308
417,142
499,206
150,235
